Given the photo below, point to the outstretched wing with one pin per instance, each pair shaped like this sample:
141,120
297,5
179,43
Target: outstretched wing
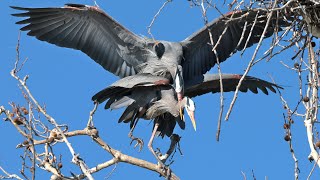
239,34
211,83
89,29
129,84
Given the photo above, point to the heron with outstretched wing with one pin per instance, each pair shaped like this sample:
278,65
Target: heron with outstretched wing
156,74
123,53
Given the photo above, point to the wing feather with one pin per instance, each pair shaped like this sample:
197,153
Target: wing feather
211,83
89,29
130,83
197,47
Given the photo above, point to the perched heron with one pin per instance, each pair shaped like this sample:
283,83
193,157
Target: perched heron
121,52
153,97
116,49
149,97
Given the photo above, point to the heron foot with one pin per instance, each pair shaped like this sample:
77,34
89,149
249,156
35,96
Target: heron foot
161,157
161,164
138,142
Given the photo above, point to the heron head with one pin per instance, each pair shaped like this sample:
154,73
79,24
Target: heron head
171,52
190,108
159,49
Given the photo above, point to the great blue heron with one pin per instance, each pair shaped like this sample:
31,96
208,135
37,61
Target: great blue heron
149,97
152,97
89,29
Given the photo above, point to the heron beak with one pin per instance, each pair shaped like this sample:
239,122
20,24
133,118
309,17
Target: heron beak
193,121
181,114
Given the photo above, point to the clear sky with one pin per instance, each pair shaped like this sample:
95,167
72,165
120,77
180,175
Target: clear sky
64,80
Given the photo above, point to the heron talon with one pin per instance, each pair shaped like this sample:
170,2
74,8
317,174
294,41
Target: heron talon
139,142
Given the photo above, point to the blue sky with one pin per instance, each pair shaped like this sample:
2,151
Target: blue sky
64,80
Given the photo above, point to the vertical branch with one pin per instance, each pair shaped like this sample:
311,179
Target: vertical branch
312,106
204,13
296,167
33,167
250,63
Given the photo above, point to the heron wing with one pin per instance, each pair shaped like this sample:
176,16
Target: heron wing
211,83
89,29
238,27
130,84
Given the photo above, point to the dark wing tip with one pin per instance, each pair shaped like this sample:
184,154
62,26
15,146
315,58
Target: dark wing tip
264,90
271,88
274,87
19,14
25,21
253,89
280,87
19,8
75,5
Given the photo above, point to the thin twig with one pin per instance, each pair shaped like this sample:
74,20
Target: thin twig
22,82
155,17
204,10
313,167
244,175
90,121
8,175
250,64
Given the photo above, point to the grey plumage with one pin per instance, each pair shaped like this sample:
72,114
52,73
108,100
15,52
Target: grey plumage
89,29
152,97
149,68
144,96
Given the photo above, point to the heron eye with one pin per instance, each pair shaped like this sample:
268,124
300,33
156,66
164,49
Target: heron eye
190,104
159,49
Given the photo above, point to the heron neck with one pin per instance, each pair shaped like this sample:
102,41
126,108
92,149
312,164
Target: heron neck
183,102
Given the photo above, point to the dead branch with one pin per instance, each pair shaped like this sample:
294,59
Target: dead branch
8,175
312,105
47,160
250,63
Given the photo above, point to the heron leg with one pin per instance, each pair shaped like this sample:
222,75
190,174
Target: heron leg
155,128
130,135
175,138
